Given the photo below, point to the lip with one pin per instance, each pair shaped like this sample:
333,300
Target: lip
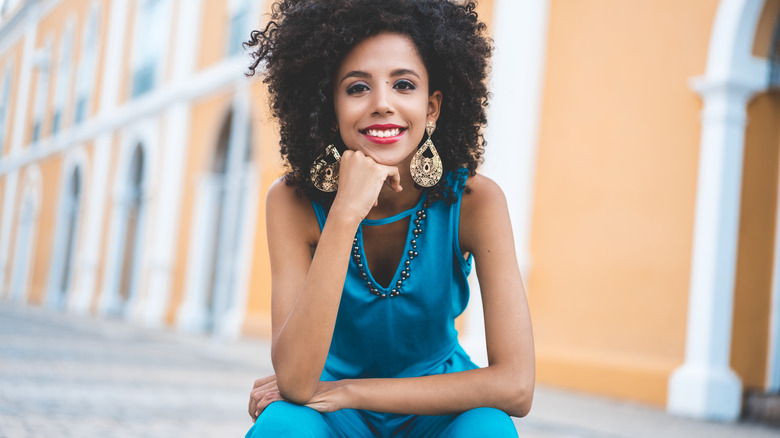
383,140
382,127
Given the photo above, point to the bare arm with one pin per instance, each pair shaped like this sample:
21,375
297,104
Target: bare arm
306,290
508,382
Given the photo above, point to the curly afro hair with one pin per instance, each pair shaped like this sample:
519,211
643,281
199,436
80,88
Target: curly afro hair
305,41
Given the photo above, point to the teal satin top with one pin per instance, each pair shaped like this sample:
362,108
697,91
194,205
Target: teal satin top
413,333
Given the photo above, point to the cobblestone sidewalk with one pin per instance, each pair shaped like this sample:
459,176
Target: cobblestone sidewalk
77,376
74,376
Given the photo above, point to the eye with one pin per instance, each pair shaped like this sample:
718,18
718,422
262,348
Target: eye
357,88
404,85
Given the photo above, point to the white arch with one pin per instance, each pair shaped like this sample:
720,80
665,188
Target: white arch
238,224
143,135
76,159
705,386
26,233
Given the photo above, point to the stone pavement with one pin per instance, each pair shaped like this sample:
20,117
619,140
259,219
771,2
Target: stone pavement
78,376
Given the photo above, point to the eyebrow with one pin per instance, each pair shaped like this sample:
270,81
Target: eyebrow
365,75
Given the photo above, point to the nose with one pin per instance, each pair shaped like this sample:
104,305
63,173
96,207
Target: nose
382,101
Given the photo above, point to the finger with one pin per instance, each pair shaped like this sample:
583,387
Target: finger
265,387
265,380
393,179
267,399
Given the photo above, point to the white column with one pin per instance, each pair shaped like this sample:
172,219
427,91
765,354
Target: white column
19,115
175,140
520,36
228,312
192,315
705,386
90,257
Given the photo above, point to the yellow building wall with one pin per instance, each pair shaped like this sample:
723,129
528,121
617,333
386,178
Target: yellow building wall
13,55
753,292
47,221
213,38
615,193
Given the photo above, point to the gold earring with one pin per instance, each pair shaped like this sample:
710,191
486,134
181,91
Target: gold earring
324,172
426,171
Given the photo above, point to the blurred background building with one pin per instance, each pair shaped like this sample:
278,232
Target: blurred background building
637,142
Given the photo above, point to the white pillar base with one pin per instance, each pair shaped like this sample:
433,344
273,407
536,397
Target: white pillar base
704,392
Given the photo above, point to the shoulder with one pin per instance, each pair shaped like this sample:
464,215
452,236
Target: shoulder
481,192
483,207
287,211
282,193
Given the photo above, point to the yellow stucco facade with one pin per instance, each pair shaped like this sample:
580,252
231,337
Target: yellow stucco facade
176,150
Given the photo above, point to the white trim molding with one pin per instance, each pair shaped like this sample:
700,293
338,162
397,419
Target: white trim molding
26,235
171,171
517,81
705,386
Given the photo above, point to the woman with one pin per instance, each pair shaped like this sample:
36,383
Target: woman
373,229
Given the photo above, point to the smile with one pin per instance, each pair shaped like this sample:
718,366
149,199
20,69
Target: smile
383,133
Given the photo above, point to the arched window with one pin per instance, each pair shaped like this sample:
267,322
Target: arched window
133,226
42,65
85,80
227,188
151,41
240,25
64,74
65,249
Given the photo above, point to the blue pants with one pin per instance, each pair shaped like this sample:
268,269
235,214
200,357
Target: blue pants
283,419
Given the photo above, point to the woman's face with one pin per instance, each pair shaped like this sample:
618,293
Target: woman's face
381,98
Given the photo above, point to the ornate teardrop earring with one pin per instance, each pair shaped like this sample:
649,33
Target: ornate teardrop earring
426,171
324,172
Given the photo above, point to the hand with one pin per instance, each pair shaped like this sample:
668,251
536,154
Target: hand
264,392
360,181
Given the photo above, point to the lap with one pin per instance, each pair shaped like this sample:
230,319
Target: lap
481,422
287,419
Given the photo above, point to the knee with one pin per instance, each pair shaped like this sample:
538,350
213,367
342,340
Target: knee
289,420
482,422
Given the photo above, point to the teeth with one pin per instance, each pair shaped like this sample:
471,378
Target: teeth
383,134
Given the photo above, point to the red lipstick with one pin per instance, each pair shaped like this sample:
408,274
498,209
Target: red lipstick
383,127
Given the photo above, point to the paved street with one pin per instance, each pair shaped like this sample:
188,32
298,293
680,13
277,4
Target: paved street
76,376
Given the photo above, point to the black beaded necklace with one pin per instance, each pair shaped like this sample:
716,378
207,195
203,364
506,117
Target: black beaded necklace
396,291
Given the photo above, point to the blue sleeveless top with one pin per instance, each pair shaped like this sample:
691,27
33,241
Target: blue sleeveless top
412,334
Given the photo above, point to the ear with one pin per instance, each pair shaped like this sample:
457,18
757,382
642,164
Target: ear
434,105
